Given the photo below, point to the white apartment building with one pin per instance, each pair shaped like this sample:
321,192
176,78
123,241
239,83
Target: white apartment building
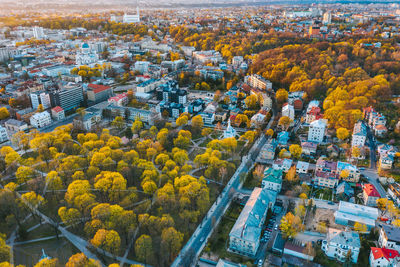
3,134
38,33
316,131
288,111
338,243
258,82
38,98
389,237
41,119
142,66
359,135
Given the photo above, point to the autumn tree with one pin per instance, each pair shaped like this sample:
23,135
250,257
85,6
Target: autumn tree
360,227
118,122
281,96
342,133
108,240
197,123
47,262
80,259
291,225
295,151
4,114
171,242
144,248
269,132
285,122
4,249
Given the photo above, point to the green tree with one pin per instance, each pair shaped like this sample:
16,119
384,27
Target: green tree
171,241
144,248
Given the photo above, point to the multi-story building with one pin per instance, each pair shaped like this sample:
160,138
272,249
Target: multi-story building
97,93
326,173
383,257
57,113
316,131
132,18
119,100
237,61
327,18
313,114
170,92
389,237
309,148
375,120
146,116
142,66
5,53
42,98
288,111
272,179
267,152
3,134
148,86
386,161
349,213
13,126
40,120
353,174
86,56
258,82
68,97
370,195
244,237
87,121
338,244
38,32
359,134
210,56
394,193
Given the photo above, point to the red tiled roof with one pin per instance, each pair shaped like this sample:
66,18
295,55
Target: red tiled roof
370,190
97,88
384,252
57,109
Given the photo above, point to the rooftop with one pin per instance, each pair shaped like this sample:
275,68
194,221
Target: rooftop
97,88
385,253
370,190
344,238
249,224
273,176
392,232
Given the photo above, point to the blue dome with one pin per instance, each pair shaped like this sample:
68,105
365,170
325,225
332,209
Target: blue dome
85,45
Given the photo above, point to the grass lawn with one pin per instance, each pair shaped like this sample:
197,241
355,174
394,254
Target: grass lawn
325,194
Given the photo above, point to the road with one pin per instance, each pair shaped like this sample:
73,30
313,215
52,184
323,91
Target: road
198,240
373,177
372,148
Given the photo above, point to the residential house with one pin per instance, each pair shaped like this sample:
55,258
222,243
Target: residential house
88,121
353,174
57,113
302,167
344,190
119,100
313,114
338,243
40,120
375,120
283,138
14,126
348,214
282,164
296,250
385,149
394,192
386,162
389,237
309,148
267,152
316,131
326,173
257,120
383,257
244,237
272,179
266,101
370,195
359,135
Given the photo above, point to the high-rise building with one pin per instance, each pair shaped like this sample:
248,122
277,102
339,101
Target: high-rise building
38,32
38,98
327,19
68,97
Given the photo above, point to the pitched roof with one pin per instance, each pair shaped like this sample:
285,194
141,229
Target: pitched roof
57,109
384,252
370,190
97,88
392,232
273,176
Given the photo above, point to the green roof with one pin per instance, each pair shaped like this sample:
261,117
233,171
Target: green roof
272,175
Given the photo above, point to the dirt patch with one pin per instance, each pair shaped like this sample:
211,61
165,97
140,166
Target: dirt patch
322,215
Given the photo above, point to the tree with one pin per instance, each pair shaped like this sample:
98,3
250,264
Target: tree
181,120
285,122
269,132
251,101
281,95
321,227
197,122
355,152
309,250
24,174
171,241
137,125
291,175
47,262
40,108
295,150
360,227
342,133
80,259
291,225
108,240
118,122
382,204
144,248
4,249
4,114
206,131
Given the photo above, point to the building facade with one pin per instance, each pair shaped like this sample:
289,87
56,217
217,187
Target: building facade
338,243
40,120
